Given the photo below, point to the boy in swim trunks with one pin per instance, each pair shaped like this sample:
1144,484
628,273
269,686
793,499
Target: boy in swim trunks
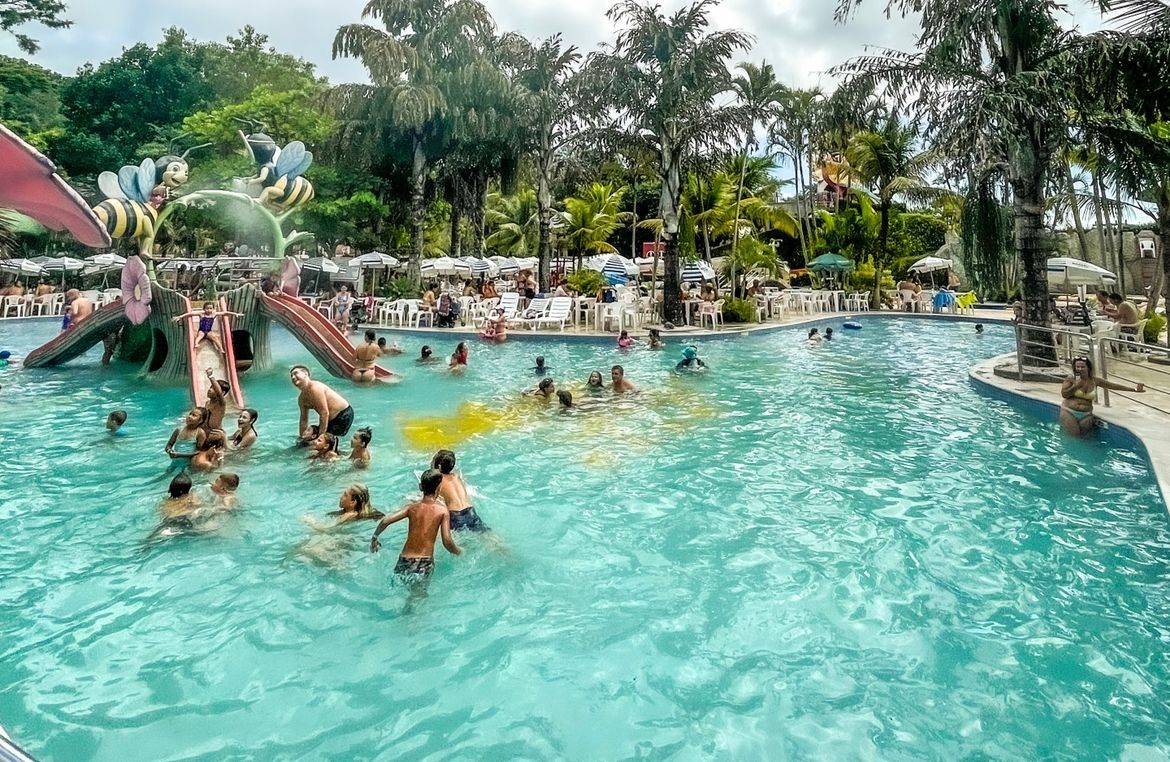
427,519
453,493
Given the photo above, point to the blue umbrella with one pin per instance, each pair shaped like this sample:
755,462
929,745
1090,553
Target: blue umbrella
697,272
616,278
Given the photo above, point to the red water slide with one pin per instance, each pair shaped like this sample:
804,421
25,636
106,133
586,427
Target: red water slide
204,355
323,339
79,339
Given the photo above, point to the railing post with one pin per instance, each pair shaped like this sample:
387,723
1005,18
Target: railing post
1102,369
1019,353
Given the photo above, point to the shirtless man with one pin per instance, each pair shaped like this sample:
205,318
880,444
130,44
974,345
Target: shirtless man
1127,312
618,375
334,414
453,493
366,354
427,519
44,289
79,309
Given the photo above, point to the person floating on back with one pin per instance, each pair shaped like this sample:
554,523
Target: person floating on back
453,493
427,520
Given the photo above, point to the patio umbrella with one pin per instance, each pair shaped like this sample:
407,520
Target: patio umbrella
107,259
506,265
831,263
21,267
481,266
527,263
612,263
29,183
1070,273
63,265
444,266
375,260
320,265
697,272
931,265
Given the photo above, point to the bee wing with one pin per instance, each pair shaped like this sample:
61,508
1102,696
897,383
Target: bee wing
146,176
128,181
293,160
109,185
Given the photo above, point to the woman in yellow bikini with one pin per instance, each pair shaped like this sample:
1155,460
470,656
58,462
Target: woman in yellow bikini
1079,390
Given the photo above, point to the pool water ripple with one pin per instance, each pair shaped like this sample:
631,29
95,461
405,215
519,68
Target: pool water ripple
843,551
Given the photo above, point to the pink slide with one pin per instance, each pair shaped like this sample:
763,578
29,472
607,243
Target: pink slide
322,338
79,339
205,356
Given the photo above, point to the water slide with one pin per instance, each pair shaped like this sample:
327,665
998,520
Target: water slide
322,338
78,340
205,355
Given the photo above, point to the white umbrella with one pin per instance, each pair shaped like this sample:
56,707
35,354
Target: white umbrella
375,260
63,265
612,263
527,263
320,265
1066,271
697,272
931,264
646,265
21,267
506,265
107,259
445,266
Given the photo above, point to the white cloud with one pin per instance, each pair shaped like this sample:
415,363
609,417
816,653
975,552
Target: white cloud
799,37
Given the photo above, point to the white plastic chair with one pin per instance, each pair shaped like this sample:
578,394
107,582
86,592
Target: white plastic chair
536,309
559,312
13,305
415,314
111,295
509,303
713,313
761,305
392,313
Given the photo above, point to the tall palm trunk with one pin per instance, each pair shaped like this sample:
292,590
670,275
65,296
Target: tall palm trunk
634,224
418,212
456,231
478,206
544,208
1082,239
883,255
1034,247
799,210
672,309
735,229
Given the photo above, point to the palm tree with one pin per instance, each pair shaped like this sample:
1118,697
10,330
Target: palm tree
760,93
795,131
413,61
658,84
590,218
546,73
996,80
889,162
514,222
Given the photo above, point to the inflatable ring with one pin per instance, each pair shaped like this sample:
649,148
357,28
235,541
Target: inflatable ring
853,326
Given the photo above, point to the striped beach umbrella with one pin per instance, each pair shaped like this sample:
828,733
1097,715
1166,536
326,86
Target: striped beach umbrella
444,266
506,265
612,263
481,266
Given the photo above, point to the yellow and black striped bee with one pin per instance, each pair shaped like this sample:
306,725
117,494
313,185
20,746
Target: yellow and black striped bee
280,183
135,194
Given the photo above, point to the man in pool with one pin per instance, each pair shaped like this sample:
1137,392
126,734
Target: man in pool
453,493
427,519
617,374
366,354
540,369
334,414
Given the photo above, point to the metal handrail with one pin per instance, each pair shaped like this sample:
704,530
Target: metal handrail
1109,355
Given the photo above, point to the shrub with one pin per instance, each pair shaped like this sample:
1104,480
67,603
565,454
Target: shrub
1153,329
738,311
398,288
586,282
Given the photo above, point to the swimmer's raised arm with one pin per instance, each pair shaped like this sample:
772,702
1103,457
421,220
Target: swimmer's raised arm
387,521
448,539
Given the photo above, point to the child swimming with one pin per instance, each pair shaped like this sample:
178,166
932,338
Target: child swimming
359,451
114,423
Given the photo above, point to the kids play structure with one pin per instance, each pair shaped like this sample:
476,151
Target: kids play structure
139,200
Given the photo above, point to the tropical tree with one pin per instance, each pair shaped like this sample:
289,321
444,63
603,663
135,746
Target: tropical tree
546,73
658,84
590,218
995,79
890,163
795,131
514,222
16,13
414,60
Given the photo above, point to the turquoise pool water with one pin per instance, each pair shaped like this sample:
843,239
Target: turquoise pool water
841,553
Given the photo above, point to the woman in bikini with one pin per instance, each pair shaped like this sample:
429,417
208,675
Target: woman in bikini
1079,390
245,435
342,304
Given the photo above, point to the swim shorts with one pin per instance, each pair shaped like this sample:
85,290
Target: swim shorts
467,519
414,567
340,423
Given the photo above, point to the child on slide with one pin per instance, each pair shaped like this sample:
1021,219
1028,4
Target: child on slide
207,325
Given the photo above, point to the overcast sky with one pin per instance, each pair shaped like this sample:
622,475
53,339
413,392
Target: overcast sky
799,37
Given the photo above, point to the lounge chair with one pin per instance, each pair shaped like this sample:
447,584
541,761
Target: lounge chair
559,312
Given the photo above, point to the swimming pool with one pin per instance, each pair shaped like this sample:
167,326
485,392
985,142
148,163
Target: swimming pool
841,552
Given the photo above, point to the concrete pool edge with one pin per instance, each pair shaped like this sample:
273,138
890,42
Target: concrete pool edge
1128,423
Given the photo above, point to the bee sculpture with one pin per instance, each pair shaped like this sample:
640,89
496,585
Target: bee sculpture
279,184
134,195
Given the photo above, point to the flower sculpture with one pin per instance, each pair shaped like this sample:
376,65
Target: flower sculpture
136,294
290,276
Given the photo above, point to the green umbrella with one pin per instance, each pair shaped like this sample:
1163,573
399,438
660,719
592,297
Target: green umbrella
833,263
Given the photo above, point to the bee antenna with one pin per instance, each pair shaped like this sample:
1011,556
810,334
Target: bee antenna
194,148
